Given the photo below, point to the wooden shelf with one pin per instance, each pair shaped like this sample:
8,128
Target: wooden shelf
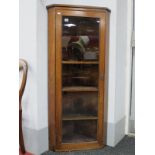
74,117
80,62
78,88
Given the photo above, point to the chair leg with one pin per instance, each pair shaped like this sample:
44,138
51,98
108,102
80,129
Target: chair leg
21,140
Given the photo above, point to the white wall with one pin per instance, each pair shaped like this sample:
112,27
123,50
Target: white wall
121,58
128,62
28,51
120,87
33,48
42,61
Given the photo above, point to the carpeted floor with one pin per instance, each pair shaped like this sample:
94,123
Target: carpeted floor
125,147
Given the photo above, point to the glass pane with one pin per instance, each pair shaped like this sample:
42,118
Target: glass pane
80,69
80,39
79,131
80,75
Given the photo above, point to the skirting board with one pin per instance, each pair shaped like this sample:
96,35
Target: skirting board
114,132
36,141
132,126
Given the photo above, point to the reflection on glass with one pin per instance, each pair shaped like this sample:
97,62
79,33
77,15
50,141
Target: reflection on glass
80,38
80,75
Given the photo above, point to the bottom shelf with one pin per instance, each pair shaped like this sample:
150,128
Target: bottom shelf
77,139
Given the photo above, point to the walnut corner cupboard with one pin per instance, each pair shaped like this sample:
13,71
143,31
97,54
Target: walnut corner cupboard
77,48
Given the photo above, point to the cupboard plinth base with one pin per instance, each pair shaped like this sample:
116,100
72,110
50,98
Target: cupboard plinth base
79,147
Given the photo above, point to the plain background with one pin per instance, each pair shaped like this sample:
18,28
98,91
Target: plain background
145,77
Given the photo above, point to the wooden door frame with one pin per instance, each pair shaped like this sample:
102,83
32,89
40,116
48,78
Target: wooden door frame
59,14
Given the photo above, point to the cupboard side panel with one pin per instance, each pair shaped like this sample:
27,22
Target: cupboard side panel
106,75
58,80
101,80
51,77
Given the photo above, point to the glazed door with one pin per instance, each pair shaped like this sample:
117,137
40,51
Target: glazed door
80,64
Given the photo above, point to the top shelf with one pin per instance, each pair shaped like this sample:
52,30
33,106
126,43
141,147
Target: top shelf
80,62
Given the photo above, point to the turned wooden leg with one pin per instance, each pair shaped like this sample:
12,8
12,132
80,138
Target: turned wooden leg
21,140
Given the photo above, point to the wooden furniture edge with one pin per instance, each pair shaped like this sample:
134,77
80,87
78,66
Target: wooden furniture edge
51,78
83,146
78,7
